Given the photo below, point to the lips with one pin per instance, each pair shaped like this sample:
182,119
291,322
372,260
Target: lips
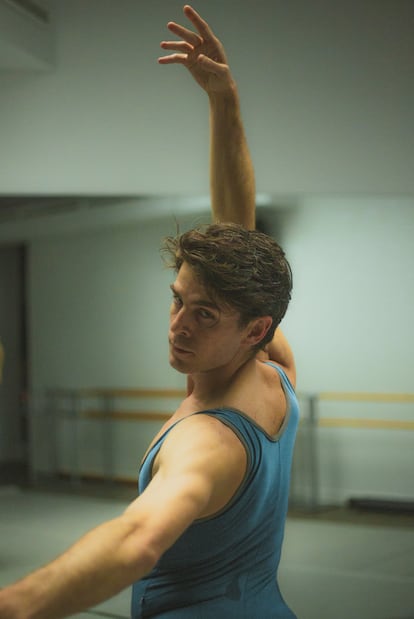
179,349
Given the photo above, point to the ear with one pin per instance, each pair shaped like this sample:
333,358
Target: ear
257,329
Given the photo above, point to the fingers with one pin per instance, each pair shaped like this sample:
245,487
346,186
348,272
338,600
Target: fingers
204,61
196,19
173,59
190,42
182,47
178,46
184,33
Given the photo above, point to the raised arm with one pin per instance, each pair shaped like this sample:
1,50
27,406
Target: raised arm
232,183
279,351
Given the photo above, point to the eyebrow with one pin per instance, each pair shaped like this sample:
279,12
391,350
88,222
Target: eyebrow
204,302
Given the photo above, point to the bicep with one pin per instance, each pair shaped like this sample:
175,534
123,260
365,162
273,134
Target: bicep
280,352
198,462
168,506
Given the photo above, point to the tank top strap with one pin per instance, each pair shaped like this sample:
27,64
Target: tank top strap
283,377
232,418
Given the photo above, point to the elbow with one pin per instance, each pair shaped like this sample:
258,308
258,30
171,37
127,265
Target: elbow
140,558
148,561
139,554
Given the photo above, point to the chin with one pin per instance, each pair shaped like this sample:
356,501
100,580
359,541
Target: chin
179,366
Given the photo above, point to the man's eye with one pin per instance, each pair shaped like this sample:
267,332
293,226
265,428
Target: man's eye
205,314
177,301
207,318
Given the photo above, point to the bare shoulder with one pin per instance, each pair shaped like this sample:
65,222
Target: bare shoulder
203,437
273,376
272,385
203,449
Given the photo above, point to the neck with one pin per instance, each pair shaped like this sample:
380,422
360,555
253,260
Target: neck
212,386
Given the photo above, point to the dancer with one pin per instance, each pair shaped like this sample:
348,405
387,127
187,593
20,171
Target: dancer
203,538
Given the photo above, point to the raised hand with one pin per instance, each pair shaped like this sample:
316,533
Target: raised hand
201,52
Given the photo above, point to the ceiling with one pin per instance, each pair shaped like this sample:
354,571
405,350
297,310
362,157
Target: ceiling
26,34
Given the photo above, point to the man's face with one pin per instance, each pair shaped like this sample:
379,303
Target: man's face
203,335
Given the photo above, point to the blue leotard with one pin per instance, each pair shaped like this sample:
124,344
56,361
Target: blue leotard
225,566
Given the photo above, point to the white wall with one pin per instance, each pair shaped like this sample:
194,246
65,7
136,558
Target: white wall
99,309
350,320
350,325
327,95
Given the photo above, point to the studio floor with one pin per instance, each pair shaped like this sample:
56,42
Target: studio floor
335,564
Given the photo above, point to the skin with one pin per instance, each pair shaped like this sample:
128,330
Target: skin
205,339
205,343
232,181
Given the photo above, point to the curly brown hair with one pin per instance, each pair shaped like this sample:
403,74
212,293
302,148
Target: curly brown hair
243,269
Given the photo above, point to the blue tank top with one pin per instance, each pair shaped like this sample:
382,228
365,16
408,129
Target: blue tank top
225,566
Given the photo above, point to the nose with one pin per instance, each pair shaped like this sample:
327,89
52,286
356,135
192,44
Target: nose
180,322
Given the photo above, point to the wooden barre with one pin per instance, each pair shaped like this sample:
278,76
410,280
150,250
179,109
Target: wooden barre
120,393
127,416
90,476
365,397
379,424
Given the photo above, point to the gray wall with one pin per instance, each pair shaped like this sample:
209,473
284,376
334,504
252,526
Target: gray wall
327,93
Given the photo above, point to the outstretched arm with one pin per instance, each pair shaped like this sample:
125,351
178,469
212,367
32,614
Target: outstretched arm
111,557
232,183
